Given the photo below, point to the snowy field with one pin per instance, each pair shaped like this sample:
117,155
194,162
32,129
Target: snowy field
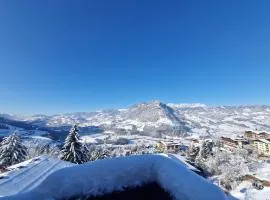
133,139
245,191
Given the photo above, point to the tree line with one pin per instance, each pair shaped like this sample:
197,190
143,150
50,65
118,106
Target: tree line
13,151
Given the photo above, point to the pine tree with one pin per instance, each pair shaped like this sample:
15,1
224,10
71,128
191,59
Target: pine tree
73,150
99,153
206,149
193,152
12,151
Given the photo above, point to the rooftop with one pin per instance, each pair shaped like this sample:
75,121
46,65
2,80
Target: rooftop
264,141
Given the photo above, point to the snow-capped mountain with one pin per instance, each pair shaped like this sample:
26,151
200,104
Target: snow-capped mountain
156,118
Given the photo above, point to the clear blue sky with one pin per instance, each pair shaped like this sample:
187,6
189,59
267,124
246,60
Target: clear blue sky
65,56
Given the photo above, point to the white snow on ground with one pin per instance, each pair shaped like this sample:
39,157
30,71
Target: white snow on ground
11,129
26,175
88,139
105,176
263,172
94,138
21,131
134,139
40,138
245,191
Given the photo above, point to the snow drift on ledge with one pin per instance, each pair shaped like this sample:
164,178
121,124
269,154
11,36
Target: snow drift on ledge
105,176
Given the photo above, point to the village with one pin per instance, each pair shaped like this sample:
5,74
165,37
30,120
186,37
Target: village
256,145
232,163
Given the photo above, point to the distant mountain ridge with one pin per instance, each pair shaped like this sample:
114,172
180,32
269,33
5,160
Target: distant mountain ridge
156,119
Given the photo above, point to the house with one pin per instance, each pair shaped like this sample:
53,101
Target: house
232,144
250,135
262,146
263,135
168,146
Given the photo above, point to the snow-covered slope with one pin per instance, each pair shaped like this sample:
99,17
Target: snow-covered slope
105,176
156,118
150,118
27,175
225,120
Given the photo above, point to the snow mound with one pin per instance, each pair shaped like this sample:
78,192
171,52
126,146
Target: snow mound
27,175
106,176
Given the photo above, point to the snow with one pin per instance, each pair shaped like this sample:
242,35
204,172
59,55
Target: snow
41,138
245,191
26,175
187,105
105,176
88,139
183,160
263,172
194,119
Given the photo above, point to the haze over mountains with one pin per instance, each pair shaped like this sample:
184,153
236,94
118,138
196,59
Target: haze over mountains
156,119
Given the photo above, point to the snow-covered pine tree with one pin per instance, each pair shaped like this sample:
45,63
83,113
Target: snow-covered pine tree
193,152
12,151
206,148
100,153
73,149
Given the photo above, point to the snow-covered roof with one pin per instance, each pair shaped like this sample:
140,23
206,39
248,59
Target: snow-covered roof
106,176
264,141
25,176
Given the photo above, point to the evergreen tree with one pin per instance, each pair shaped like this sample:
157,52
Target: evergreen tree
99,153
12,151
193,152
206,149
73,149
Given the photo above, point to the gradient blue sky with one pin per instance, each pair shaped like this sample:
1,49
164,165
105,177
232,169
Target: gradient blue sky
65,56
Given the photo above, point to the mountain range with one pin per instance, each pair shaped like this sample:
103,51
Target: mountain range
154,119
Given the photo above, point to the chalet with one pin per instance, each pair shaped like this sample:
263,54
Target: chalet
250,135
263,135
168,146
262,146
232,144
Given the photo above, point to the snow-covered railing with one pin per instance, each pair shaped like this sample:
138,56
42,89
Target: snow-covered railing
106,176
